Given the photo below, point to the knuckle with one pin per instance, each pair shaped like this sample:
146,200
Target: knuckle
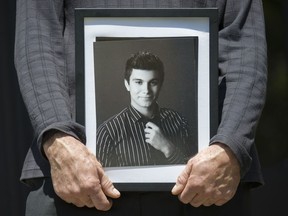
195,204
184,201
79,204
190,162
91,186
103,207
96,189
207,203
195,186
181,179
220,202
106,183
64,194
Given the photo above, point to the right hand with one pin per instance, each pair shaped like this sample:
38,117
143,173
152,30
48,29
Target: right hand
155,137
210,177
77,176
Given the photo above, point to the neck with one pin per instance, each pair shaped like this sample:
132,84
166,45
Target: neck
147,112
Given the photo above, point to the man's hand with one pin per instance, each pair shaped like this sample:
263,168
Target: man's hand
77,176
210,177
155,138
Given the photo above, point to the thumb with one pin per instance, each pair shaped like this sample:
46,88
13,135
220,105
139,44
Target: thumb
108,187
182,180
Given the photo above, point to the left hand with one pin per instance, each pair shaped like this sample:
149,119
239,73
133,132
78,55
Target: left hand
156,138
210,177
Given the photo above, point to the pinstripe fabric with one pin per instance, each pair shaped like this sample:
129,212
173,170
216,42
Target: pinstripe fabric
44,59
121,139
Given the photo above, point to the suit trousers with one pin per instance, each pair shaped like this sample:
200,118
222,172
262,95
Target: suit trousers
42,201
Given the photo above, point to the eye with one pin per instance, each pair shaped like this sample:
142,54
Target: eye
139,82
154,82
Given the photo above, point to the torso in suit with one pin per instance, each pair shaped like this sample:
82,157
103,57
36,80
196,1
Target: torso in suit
44,60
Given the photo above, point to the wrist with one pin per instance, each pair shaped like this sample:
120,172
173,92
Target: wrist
168,150
49,140
232,159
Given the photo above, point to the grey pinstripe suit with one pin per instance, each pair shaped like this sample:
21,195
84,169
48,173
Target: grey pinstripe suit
44,59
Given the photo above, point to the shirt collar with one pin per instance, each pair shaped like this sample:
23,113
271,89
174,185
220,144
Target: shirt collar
137,116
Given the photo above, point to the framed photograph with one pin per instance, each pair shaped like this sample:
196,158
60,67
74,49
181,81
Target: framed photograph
146,90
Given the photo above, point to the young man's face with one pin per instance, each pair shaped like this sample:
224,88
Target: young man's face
144,87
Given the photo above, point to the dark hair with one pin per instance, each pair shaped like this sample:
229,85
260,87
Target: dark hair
146,61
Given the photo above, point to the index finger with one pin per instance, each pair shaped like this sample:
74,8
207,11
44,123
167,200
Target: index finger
100,201
103,190
182,180
151,124
108,187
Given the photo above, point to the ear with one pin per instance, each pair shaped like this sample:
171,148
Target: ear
127,85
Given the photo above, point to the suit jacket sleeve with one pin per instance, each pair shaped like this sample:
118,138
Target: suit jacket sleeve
41,69
243,74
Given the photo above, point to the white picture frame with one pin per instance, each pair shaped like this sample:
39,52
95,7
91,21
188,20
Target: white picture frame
147,23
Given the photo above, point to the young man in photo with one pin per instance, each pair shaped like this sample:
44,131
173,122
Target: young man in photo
144,133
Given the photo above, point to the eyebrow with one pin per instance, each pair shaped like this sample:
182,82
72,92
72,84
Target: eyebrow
143,80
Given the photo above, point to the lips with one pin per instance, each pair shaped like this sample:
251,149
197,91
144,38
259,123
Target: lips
146,98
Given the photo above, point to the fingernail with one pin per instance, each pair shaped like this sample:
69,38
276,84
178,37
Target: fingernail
116,192
174,188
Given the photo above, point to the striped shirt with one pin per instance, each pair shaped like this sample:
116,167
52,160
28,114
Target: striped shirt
121,139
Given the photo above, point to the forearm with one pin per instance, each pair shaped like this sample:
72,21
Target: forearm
243,75
40,64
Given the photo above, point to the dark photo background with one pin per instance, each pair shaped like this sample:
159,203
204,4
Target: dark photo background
179,90
16,131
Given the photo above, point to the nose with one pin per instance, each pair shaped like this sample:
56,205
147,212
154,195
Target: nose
146,88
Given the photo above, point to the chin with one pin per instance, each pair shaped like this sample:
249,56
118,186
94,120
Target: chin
146,105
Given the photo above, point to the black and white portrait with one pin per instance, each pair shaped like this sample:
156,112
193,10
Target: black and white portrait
146,100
